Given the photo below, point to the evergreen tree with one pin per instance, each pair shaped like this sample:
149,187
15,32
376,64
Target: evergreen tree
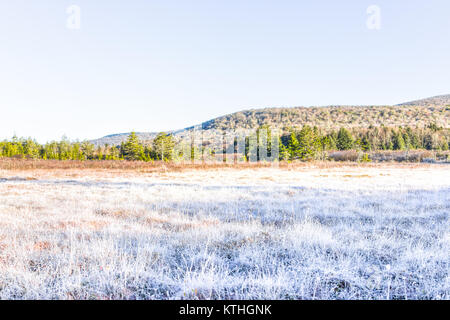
407,140
132,149
293,147
284,151
344,139
365,144
31,149
398,143
308,143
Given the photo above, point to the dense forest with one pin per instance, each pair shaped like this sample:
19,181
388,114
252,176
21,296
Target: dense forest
335,117
305,143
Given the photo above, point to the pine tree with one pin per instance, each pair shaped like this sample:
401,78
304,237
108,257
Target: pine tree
398,143
344,140
284,151
293,147
132,149
365,144
308,143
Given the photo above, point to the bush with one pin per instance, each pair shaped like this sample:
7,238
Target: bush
344,156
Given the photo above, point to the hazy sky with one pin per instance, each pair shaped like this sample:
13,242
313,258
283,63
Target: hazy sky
150,65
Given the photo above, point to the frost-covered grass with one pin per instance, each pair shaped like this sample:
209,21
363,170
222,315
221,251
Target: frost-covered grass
337,233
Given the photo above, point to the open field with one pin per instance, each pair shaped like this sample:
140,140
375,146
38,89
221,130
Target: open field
299,231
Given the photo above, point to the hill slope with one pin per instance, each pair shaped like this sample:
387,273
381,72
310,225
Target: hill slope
415,114
443,100
334,117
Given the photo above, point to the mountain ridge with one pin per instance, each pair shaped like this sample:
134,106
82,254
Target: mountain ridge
436,100
415,113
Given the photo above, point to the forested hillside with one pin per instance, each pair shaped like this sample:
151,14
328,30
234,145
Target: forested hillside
334,117
327,118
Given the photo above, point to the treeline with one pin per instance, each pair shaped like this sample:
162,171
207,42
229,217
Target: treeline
314,143
132,149
306,143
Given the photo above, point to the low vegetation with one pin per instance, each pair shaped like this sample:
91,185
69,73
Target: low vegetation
353,231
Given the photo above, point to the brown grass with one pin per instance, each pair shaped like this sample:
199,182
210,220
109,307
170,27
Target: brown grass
356,176
163,167
42,245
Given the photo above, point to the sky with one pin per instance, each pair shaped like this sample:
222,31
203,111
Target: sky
148,65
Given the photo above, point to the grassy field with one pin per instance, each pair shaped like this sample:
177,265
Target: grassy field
163,231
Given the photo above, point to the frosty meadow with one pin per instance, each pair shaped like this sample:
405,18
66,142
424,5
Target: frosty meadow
301,231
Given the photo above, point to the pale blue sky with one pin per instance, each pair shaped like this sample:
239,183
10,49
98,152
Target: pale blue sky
150,65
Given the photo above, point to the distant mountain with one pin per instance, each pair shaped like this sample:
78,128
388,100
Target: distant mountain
433,101
116,139
415,114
